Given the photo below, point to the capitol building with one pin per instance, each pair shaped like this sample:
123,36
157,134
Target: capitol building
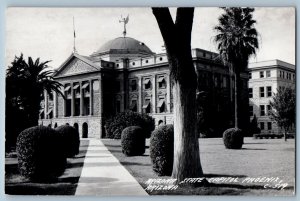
124,74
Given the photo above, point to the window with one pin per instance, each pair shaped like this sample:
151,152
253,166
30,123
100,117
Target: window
268,73
147,83
269,91
262,91
161,105
147,106
269,109
67,90
146,61
251,110
250,93
250,75
133,63
261,74
133,105
204,54
76,89
161,83
160,58
269,125
133,85
262,125
262,110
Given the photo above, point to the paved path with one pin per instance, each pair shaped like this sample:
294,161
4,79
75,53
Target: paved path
102,174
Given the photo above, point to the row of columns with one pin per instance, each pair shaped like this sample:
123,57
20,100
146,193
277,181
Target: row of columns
55,100
73,97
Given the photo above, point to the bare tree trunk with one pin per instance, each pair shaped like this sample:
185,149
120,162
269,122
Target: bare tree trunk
186,162
177,38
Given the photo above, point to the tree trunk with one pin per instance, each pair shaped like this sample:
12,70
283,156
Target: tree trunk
285,135
177,38
237,94
186,146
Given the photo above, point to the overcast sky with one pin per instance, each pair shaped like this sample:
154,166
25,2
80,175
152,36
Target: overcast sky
48,32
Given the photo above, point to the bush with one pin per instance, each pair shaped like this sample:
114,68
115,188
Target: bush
233,138
115,125
162,150
133,141
39,151
70,139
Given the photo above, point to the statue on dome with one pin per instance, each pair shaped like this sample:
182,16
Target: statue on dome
125,21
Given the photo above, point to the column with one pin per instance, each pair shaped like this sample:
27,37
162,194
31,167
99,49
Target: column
168,102
54,104
91,96
72,101
46,104
154,94
81,99
101,105
140,88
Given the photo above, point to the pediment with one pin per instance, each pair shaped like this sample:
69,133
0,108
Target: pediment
75,66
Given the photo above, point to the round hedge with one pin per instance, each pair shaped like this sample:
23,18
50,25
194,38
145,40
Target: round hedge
233,138
162,150
115,125
39,152
70,138
133,141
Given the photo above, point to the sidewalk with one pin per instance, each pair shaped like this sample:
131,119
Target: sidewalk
102,174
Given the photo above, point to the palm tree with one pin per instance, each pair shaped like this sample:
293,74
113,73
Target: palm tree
25,84
236,41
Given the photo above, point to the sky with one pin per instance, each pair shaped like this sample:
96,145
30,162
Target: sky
47,33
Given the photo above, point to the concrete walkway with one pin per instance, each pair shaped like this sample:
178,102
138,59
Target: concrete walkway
102,174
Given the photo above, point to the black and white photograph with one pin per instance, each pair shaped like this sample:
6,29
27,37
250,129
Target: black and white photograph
142,101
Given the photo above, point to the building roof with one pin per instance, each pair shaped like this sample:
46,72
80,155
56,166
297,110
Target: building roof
271,63
124,45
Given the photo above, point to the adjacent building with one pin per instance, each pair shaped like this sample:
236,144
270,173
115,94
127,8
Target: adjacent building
264,79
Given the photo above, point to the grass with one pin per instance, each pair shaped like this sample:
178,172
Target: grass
66,184
257,159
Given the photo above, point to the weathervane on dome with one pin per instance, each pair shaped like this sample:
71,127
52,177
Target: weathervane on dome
125,21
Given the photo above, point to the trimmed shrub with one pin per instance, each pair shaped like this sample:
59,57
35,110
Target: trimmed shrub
115,125
233,138
133,141
162,150
70,139
39,151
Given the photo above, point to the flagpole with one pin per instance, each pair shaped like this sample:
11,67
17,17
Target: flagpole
74,47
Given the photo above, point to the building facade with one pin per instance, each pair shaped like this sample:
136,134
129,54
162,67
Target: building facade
264,79
124,74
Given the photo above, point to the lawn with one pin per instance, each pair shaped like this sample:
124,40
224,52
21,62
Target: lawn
65,185
269,158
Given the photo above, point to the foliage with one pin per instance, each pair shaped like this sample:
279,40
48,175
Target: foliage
283,107
233,138
115,125
25,84
39,151
70,138
254,129
162,150
236,41
133,141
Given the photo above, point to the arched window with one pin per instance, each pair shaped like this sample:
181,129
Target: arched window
85,130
